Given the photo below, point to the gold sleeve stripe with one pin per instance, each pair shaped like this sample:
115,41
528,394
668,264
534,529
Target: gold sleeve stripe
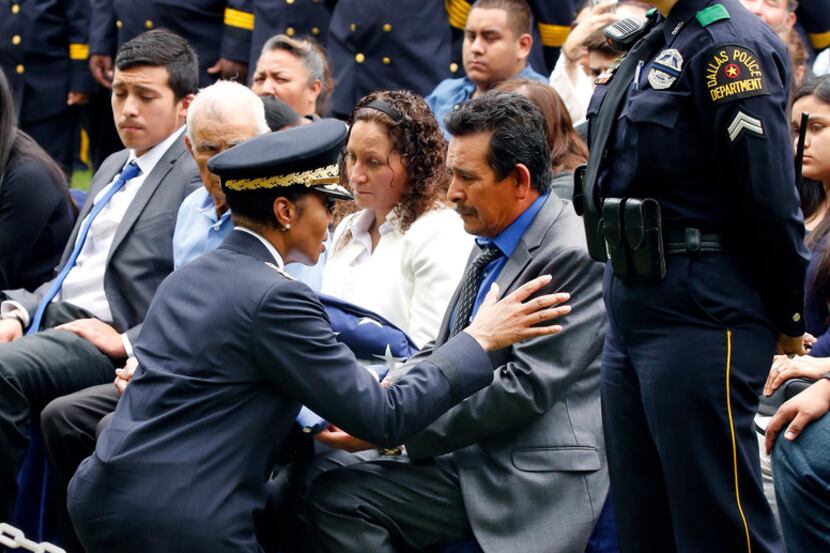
553,35
240,19
457,11
79,52
820,40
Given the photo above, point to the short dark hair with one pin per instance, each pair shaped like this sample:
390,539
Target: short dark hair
279,115
257,206
519,134
519,15
163,48
597,42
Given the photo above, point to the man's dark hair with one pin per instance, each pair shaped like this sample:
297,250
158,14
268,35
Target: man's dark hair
519,15
596,42
519,134
163,48
279,115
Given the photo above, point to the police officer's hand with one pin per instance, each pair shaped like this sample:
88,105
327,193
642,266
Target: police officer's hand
77,99
802,366
334,437
10,330
790,345
809,405
101,67
498,324
230,70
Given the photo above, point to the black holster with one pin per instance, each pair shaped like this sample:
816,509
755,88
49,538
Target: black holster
632,230
591,218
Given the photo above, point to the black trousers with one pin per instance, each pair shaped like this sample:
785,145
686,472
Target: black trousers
34,370
70,426
59,135
684,362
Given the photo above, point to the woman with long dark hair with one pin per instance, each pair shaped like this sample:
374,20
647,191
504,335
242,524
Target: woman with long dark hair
36,211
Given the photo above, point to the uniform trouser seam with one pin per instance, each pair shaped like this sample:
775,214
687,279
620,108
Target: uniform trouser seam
734,439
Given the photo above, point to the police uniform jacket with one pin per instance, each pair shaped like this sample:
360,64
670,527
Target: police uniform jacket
230,349
43,53
704,130
214,28
377,44
294,18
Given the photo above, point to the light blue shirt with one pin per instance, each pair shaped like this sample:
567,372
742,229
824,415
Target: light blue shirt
451,93
199,230
506,242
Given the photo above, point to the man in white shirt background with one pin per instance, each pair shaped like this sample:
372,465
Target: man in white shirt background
79,326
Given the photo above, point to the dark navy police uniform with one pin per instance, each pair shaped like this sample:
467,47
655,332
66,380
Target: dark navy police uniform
294,18
700,125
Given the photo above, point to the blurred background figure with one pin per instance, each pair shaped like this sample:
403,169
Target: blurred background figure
36,212
296,72
567,149
403,253
43,52
296,19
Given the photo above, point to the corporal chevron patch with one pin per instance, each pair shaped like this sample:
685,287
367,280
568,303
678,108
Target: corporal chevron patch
743,122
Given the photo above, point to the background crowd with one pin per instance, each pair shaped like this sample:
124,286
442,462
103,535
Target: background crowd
106,84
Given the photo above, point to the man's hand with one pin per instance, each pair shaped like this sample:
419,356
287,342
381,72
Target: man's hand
803,366
124,375
99,334
809,405
77,99
501,323
101,68
790,345
230,70
334,437
10,330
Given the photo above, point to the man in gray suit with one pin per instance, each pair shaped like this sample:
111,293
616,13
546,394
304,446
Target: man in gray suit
521,464
81,325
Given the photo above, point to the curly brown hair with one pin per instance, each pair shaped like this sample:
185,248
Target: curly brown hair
418,139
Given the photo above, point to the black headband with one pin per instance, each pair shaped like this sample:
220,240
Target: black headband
384,107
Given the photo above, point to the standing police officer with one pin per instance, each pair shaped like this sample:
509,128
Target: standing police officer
43,52
692,160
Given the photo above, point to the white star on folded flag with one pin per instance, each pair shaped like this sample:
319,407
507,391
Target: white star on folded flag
743,122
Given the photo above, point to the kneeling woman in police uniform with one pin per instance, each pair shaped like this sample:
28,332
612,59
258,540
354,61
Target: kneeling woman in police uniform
232,345
690,192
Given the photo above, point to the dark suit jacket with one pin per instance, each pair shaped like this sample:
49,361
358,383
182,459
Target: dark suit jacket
35,222
529,448
141,254
230,349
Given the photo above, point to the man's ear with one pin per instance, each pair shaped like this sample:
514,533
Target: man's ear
525,44
189,145
184,104
523,180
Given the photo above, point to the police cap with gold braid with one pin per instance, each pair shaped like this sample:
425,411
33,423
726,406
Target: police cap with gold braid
303,156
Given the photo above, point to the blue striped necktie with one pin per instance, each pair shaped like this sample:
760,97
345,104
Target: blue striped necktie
131,170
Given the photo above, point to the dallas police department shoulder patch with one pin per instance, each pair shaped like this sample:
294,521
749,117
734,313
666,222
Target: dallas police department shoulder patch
733,72
665,69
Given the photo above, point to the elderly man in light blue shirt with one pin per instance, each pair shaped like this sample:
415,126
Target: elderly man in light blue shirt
497,43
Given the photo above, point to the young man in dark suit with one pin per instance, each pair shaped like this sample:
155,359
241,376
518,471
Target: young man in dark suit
82,323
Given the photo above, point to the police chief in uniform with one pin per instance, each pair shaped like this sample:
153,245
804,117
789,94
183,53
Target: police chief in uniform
43,52
691,184
232,346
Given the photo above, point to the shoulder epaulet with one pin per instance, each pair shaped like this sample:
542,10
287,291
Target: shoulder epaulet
652,12
712,14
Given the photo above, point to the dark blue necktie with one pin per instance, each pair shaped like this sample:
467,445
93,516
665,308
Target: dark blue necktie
469,287
131,170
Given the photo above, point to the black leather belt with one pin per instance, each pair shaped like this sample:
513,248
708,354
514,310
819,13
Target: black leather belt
690,240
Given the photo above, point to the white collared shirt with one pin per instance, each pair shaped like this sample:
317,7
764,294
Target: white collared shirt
409,277
84,285
269,246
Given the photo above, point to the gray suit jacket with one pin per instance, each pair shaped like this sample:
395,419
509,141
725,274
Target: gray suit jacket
141,254
529,448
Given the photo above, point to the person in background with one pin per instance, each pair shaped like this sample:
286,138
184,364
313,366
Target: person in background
296,72
402,254
297,18
36,211
281,116
567,149
497,43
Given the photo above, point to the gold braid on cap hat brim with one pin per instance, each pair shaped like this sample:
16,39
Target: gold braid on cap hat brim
310,178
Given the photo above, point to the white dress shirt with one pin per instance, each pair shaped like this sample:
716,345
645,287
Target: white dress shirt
410,277
84,285
576,94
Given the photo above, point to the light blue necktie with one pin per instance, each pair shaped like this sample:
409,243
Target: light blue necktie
131,170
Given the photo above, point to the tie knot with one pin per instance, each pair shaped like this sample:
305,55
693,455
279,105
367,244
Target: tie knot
488,254
131,171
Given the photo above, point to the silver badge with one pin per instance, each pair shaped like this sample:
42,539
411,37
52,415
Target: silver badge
665,69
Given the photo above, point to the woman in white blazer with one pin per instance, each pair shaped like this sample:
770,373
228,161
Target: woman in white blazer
403,253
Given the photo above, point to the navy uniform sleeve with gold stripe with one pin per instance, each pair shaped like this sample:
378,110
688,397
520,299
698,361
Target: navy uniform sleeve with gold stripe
814,15
77,21
103,38
239,24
